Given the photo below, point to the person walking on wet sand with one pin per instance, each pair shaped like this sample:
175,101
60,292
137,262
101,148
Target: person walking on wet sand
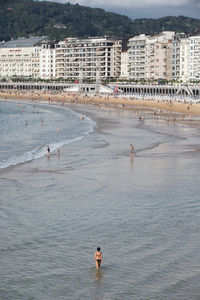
98,257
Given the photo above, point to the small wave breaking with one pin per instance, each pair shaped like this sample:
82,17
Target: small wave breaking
40,152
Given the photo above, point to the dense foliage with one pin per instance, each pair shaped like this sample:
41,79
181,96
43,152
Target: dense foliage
28,17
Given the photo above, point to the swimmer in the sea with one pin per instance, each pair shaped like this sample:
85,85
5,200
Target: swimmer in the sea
131,149
48,151
98,257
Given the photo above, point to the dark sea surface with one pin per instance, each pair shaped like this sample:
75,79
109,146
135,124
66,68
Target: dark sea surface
143,211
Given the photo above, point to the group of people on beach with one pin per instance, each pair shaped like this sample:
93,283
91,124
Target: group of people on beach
58,130
132,150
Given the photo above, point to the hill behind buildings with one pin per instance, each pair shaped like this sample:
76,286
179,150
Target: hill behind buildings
28,17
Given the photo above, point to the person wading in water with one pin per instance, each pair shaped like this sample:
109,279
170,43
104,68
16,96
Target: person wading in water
98,257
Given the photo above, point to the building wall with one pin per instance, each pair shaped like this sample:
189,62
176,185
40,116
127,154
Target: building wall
16,62
88,58
116,60
124,65
166,55
36,62
137,57
150,57
194,58
47,59
184,43
162,62
175,59
20,57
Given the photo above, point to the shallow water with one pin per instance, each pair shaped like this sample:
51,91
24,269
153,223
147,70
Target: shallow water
27,130
143,212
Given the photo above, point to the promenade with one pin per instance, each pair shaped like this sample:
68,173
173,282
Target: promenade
137,91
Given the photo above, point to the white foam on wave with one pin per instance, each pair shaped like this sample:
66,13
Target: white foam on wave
41,152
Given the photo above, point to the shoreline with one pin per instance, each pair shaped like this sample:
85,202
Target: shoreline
184,113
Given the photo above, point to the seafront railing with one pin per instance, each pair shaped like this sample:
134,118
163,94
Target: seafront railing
138,91
178,98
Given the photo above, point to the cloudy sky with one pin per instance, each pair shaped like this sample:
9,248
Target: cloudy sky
144,8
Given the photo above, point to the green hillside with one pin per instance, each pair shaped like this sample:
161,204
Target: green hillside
28,17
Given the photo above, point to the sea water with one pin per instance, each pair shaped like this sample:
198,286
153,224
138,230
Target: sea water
143,210
27,130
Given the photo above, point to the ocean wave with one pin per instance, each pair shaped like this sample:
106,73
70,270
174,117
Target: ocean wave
40,152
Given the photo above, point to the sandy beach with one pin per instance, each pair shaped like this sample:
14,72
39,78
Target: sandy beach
187,109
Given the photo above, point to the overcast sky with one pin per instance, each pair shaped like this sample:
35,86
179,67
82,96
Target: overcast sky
144,8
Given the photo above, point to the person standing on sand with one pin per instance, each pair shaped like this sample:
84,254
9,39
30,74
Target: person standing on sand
98,257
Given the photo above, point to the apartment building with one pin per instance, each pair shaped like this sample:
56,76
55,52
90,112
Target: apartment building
20,58
47,61
124,65
137,57
184,44
149,57
163,55
177,50
194,58
167,56
116,58
88,58
175,58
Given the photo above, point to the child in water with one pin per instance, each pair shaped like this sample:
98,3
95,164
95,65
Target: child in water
98,257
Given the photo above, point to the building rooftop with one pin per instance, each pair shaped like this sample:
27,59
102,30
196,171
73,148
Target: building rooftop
24,42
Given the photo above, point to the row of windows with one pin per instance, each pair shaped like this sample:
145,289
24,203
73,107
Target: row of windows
44,70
